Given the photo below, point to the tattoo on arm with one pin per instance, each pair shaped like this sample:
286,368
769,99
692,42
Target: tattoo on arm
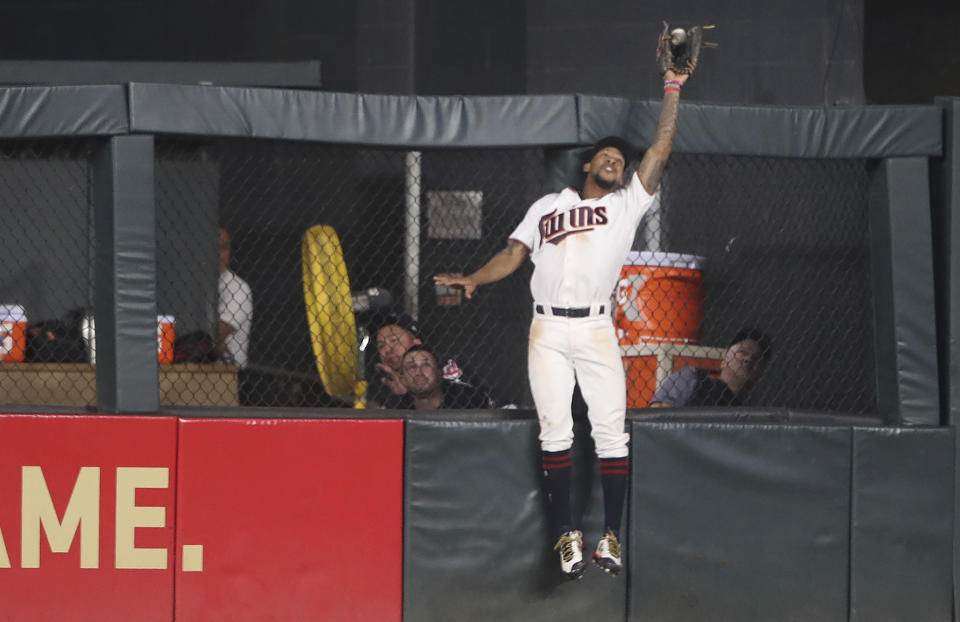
655,161
651,172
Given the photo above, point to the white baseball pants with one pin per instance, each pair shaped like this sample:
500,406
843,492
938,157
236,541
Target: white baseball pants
564,350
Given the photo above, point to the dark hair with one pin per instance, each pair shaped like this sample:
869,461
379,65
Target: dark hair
419,347
757,335
630,153
402,320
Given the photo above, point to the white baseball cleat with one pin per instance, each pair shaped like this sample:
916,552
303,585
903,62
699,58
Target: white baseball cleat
607,555
570,546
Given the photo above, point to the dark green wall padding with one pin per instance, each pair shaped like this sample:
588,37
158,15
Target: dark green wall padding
726,521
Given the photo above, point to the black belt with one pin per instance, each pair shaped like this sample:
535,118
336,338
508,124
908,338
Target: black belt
570,312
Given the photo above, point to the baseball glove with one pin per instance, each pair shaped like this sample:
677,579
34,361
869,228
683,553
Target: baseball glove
678,50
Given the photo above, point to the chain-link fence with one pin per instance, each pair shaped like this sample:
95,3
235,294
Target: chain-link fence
294,269
787,251
266,195
46,262
778,245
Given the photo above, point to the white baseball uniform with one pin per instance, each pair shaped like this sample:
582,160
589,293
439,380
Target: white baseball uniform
578,247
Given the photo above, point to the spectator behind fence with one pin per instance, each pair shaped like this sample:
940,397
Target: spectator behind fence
427,389
397,335
741,366
234,309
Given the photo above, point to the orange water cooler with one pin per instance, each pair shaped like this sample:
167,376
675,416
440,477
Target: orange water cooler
166,335
658,316
13,333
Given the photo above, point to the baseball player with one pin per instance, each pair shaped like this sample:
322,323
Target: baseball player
578,241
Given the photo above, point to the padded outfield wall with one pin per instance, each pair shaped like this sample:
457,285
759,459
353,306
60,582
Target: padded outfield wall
762,515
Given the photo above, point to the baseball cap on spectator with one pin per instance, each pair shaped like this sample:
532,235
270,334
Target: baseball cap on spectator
404,321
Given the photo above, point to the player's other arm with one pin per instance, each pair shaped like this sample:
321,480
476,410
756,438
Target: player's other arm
654,161
502,265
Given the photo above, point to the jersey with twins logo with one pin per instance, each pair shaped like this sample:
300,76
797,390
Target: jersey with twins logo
578,245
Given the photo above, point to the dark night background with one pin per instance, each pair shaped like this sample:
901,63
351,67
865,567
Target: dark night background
813,52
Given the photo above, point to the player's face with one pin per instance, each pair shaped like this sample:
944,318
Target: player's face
743,359
421,374
606,168
392,342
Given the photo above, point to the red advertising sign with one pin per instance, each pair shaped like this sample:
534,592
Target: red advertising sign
289,519
86,517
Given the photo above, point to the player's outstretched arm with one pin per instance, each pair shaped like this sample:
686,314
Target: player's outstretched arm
502,264
655,160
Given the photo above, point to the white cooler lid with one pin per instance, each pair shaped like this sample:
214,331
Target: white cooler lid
664,260
12,313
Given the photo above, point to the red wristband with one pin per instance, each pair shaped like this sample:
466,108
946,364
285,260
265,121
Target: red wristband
672,85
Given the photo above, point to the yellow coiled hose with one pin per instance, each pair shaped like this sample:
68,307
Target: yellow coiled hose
333,327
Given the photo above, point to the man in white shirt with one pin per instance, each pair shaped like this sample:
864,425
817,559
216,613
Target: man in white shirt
234,309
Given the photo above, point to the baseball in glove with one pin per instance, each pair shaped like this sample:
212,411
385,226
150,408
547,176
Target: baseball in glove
679,50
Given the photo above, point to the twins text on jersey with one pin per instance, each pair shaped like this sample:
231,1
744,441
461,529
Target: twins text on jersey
556,227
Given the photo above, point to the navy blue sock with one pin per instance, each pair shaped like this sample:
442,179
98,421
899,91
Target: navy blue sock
557,467
613,478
